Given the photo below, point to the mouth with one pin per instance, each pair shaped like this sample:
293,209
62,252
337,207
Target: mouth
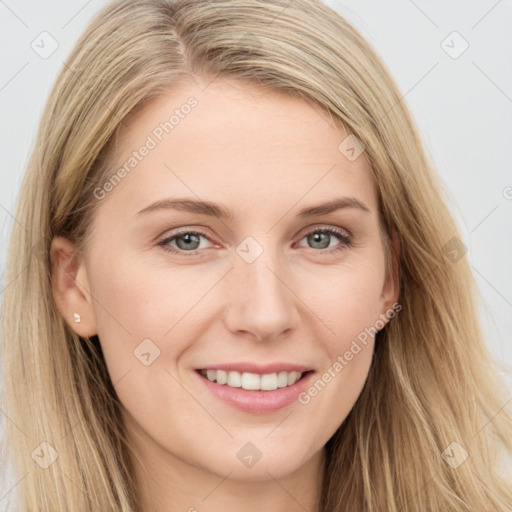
253,388
251,381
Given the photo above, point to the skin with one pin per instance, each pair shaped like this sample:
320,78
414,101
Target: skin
264,156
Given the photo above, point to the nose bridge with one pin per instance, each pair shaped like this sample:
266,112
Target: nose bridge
263,303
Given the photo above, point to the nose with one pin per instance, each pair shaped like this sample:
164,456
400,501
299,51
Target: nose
261,301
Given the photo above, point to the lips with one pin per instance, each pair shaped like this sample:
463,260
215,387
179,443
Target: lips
256,388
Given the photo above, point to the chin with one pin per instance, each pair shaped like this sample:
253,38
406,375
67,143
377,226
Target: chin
261,460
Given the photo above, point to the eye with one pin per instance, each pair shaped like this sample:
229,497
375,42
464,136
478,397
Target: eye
186,241
322,238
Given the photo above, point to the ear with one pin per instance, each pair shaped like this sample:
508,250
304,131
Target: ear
70,287
391,288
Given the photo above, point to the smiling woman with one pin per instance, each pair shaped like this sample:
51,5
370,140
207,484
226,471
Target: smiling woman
234,292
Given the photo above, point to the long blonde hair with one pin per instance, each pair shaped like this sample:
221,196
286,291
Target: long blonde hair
431,396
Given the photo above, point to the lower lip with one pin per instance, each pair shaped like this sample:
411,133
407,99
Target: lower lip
257,402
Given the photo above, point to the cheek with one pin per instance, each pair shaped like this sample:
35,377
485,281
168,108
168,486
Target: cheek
348,349
349,301
139,310
143,299
143,328
349,308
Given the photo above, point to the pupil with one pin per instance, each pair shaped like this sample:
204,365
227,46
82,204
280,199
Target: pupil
317,236
188,238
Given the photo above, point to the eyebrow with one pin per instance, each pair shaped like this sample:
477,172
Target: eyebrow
219,211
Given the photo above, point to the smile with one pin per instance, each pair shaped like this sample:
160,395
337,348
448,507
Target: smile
253,381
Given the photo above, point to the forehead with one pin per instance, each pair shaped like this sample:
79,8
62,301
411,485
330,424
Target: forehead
231,141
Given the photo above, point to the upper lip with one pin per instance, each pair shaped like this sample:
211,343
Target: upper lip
251,367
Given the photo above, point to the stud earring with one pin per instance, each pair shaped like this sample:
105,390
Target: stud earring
76,317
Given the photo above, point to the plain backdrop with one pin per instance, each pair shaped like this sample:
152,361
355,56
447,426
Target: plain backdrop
451,60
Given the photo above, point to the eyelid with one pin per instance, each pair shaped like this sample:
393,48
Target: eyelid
320,227
192,228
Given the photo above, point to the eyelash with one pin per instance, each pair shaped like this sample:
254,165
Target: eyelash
346,241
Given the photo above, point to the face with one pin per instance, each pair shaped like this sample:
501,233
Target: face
260,286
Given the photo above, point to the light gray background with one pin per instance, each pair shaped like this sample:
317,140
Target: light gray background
463,107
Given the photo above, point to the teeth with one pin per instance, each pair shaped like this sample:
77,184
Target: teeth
282,379
252,381
234,380
293,377
269,381
222,377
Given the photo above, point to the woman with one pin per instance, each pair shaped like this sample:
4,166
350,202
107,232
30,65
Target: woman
236,284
